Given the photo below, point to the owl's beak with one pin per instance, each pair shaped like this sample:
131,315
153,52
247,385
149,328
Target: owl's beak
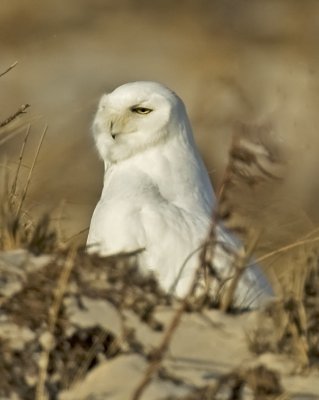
111,128
112,131
115,134
118,127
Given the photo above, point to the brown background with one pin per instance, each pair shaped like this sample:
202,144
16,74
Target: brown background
230,61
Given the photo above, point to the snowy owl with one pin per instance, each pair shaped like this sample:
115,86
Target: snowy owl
157,195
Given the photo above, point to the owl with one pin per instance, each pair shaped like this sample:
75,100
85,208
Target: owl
157,196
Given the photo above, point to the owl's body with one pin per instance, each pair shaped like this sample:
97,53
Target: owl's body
157,195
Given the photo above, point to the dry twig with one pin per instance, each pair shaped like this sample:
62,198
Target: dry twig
21,110
241,263
14,185
25,190
53,316
8,69
286,248
159,353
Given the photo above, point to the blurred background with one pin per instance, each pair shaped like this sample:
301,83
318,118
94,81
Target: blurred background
230,61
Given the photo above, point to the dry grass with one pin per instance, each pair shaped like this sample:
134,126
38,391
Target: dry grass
17,228
260,382
48,342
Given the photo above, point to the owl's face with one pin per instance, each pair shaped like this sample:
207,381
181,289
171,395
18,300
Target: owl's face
134,117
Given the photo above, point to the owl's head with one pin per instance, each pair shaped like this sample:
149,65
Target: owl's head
135,117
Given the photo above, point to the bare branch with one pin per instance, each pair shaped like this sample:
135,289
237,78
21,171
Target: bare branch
8,69
160,352
22,110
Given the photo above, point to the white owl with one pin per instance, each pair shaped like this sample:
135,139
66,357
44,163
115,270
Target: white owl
157,194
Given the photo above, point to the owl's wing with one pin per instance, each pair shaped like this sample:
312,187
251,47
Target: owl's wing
133,214
172,240
116,225
182,235
115,228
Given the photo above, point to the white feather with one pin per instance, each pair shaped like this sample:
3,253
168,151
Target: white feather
157,194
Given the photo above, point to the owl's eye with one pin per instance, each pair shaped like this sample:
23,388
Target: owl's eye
141,110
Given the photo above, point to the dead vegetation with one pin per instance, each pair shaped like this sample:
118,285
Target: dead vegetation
17,228
254,196
260,383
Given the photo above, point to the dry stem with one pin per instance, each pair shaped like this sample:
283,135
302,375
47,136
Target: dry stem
53,316
21,110
8,69
160,352
240,266
24,193
286,248
14,185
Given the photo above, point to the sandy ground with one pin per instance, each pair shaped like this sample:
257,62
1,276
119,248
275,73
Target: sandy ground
98,350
